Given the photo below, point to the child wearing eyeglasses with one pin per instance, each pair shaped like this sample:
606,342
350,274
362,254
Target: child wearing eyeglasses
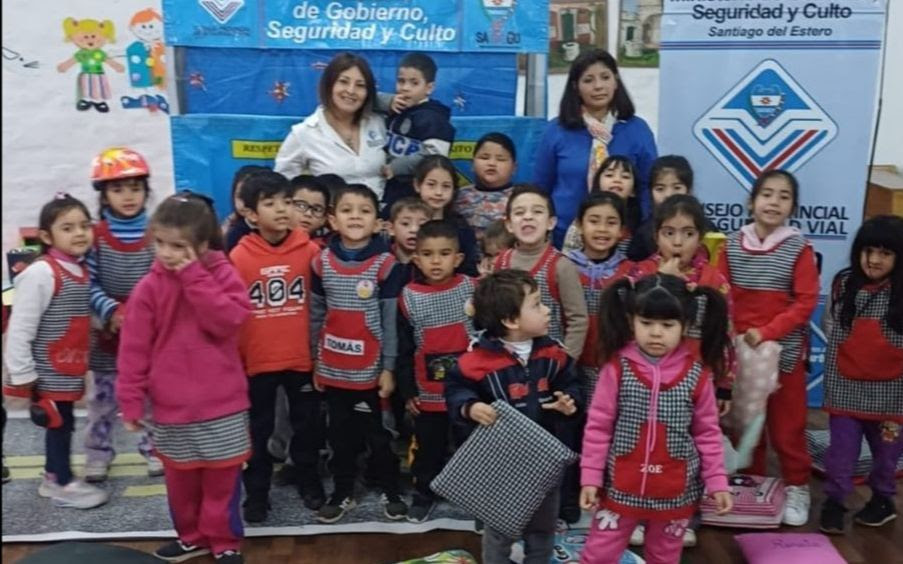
310,202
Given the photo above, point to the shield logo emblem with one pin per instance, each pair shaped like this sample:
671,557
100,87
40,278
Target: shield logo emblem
766,102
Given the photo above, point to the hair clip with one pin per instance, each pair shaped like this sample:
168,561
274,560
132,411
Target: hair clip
61,196
186,195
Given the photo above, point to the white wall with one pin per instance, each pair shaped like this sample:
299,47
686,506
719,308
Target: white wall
47,144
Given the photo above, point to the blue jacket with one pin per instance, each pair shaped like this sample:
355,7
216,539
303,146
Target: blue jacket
561,164
489,372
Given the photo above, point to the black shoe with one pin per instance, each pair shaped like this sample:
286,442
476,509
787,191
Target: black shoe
832,517
101,107
878,511
6,476
335,508
82,105
176,551
230,557
287,475
312,494
255,509
570,514
393,506
478,526
421,507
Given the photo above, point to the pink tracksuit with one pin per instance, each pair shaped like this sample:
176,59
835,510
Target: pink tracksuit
652,445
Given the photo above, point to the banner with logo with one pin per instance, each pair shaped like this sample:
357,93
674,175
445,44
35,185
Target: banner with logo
410,25
752,86
284,81
208,149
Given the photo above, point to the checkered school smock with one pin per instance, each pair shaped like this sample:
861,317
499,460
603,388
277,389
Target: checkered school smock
864,365
772,271
120,266
350,342
673,484
60,347
543,272
442,320
217,443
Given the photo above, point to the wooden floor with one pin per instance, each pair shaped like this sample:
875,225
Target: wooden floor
861,545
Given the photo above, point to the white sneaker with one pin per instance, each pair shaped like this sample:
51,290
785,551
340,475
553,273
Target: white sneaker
796,510
638,536
154,466
79,495
48,487
689,537
96,471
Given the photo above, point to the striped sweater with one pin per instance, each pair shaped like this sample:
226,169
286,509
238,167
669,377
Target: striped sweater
127,232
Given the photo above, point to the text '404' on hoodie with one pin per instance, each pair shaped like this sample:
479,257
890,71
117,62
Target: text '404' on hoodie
277,277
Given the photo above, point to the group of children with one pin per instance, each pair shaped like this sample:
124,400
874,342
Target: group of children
621,345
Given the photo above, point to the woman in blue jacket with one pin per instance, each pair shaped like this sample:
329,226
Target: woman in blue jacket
595,119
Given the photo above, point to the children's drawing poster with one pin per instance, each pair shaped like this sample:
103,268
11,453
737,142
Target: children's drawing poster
79,76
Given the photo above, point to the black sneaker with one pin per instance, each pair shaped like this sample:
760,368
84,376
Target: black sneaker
570,514
393,506
6,475
878,511
335,508
255,509
287,475
478,526
421,507
230,557
832,517
312,494
177,551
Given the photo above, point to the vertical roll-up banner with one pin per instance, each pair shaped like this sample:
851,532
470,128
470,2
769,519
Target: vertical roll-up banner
751,86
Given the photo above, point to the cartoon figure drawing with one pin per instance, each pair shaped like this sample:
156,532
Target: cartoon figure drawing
90,36
145,57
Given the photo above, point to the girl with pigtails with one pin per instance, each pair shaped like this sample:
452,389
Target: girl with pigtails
652,446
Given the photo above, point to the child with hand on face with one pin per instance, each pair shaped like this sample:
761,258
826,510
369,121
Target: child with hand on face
434,328
514,352
179,352
496,238
417,126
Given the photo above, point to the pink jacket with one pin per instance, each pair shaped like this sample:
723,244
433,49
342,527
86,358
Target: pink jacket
179,344
603,411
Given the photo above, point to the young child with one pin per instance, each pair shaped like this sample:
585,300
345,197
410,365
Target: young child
434,328
496,238
670,174
48,341
494,163
514,354
436,181
600,223
774,287
179,353
120,257
236,225
616,174
864,372
680,225
310,200
652,442
530,217
416,127
273,261
405,219
353,316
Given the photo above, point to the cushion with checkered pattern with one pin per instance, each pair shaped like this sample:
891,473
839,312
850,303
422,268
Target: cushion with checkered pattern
503,471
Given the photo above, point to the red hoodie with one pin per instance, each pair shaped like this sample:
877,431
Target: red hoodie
277,336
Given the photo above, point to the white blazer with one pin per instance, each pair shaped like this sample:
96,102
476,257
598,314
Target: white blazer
313,146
